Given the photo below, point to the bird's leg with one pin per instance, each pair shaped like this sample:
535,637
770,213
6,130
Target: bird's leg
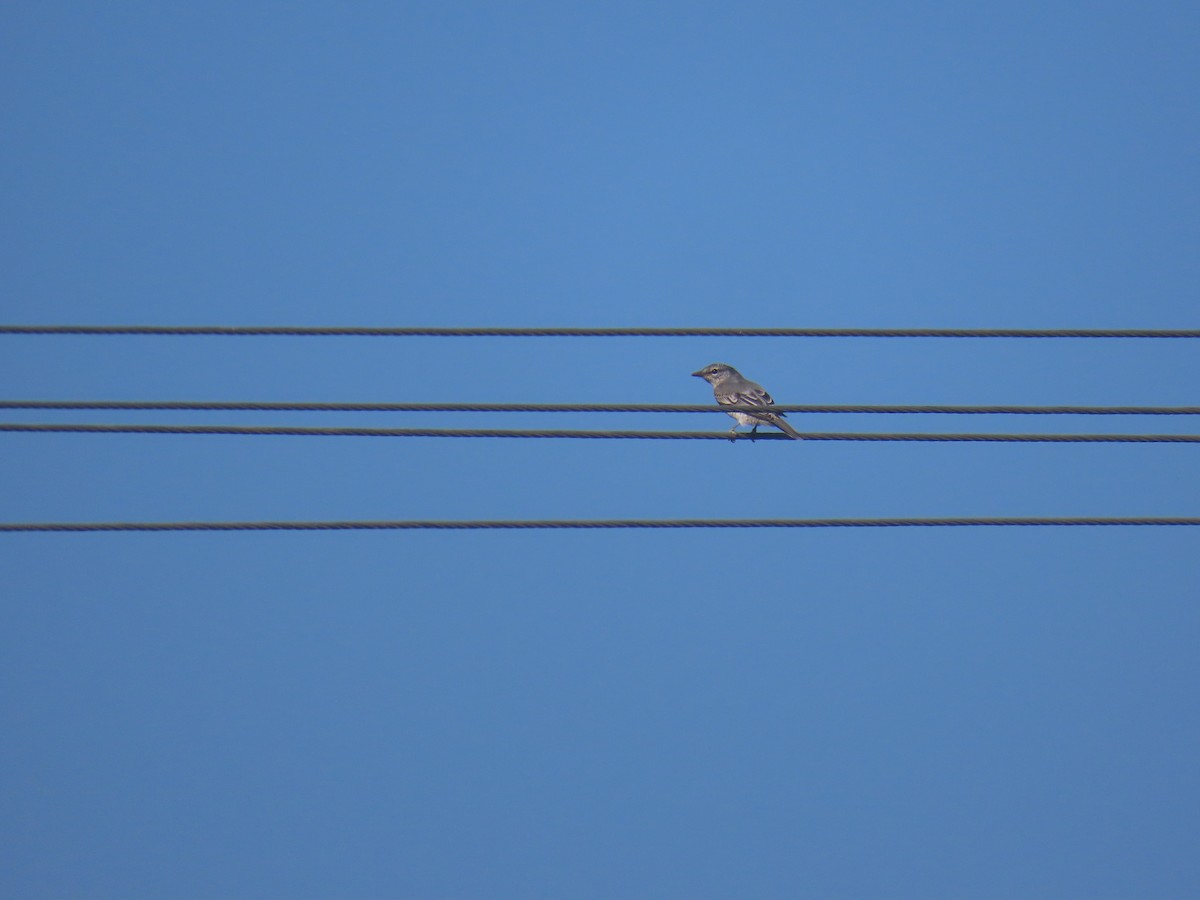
754,433
733,433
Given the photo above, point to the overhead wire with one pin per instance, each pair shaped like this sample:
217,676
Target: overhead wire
255,406
540,524
297,431
456,331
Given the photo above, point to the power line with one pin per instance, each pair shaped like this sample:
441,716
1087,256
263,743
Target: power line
289,431
420,331
537,524
251,406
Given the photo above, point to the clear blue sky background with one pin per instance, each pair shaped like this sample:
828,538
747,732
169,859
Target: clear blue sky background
968,713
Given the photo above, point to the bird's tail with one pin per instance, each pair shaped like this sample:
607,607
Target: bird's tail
778,422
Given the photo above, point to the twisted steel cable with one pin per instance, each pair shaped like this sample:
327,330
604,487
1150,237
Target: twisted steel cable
542,524
253,406
275,431
453,331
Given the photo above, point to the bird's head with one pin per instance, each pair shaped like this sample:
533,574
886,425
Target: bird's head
715,372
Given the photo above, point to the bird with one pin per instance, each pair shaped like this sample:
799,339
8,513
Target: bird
731,388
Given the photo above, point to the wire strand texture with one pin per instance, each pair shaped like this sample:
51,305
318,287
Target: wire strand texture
540,524
253,406
286,431
422,331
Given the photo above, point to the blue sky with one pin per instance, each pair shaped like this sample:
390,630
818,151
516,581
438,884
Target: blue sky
982,713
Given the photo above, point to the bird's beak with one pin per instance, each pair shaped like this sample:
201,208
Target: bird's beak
699,374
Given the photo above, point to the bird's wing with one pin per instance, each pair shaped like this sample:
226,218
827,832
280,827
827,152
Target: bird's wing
746,395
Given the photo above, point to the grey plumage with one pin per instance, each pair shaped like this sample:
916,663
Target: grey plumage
731,388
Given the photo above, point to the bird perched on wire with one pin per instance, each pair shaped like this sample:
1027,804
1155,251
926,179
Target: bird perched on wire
732,389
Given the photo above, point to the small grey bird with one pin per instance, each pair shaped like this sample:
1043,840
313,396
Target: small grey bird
732,389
